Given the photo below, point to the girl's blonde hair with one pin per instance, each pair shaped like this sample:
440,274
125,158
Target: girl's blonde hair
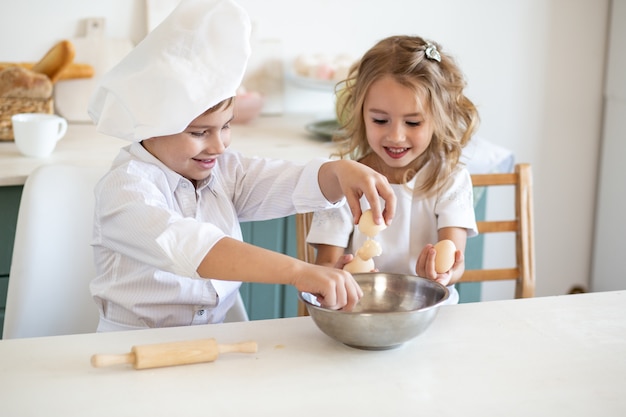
440,82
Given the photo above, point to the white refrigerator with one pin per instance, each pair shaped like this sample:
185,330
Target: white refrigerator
609,258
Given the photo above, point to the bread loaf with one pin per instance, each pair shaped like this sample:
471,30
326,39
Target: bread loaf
56,60
73,71
22,91
77,70
18,82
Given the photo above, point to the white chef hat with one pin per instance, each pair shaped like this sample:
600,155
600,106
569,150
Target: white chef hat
193,60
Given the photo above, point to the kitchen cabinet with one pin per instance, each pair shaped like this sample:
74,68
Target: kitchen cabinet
9,205
266,301
263,301
471,291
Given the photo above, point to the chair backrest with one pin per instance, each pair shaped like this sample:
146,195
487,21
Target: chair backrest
52,262
522,226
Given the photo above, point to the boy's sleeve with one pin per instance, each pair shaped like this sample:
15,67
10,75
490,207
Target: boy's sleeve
307,195
265,188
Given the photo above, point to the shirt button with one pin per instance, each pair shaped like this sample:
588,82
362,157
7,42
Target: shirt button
200,312
184,185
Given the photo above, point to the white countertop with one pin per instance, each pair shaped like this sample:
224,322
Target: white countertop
552,356
282,137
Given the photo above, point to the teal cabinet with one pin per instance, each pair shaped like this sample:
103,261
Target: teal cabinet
9,206
263,301
471,291
266,301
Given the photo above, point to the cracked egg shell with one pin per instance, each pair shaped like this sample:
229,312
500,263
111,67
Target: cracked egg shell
367,225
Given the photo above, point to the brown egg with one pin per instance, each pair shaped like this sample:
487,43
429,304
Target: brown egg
445,255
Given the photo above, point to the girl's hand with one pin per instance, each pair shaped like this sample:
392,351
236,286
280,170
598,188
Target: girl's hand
334,288
343,260
425,266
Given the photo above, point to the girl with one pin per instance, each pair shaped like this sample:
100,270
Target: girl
403,113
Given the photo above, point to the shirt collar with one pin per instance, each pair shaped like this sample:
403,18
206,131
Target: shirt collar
174,179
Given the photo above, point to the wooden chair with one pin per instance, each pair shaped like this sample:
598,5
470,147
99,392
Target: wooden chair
522,226
304,251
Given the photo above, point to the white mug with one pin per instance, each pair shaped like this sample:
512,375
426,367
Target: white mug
36,134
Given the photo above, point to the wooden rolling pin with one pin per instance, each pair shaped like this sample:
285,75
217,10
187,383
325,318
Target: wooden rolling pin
170,354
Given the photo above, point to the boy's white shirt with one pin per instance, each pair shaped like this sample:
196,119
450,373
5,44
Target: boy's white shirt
152,228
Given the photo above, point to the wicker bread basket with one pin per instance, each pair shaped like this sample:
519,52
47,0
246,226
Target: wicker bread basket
13,105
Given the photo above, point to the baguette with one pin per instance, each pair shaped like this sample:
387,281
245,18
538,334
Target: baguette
56,60
18,82
77,70
73,71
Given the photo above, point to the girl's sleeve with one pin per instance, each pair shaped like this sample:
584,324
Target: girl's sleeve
331,227
455,204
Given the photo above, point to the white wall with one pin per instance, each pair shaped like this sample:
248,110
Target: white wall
535,70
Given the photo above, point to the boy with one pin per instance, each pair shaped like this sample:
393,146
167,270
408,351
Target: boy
167,240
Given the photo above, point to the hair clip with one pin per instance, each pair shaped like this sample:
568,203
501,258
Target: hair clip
432,52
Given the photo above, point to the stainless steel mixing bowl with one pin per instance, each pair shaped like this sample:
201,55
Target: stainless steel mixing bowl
394,309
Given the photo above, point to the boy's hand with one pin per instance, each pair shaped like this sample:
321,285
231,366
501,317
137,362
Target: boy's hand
335,289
